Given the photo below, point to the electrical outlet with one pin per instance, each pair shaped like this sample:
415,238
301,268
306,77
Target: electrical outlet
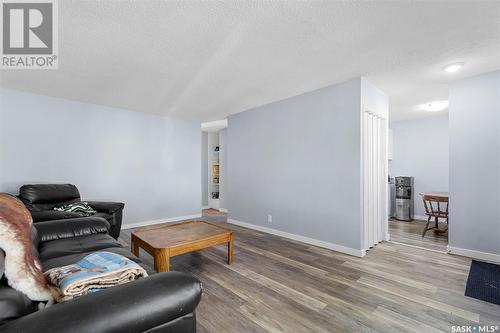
270,218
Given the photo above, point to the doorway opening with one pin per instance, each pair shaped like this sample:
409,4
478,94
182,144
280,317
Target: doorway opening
213,165
418,163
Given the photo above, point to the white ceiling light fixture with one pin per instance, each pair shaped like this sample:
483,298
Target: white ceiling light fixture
434,106
452,68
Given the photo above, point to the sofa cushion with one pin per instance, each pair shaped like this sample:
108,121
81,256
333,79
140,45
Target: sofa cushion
41,197
70,228
50,215
13,303
67,246
72,258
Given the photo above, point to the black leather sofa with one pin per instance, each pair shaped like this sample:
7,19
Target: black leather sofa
40,199
161,302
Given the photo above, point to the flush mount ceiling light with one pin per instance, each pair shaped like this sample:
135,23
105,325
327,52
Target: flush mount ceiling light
434,106
452,68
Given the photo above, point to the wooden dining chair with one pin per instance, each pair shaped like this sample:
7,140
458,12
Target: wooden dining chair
435,207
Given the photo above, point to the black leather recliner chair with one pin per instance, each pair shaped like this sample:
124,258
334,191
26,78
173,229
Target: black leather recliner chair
161,302
40,199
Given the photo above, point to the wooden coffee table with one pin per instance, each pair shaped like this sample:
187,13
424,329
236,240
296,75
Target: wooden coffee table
163,242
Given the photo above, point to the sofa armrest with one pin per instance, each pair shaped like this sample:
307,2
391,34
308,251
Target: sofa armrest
67,228
106,207
133,307
114,212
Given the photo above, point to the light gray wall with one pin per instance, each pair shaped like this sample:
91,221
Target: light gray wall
420,150
204,168
475,163
150,163
299,160
374,99
223,168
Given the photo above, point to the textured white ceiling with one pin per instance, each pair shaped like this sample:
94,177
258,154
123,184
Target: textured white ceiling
208,59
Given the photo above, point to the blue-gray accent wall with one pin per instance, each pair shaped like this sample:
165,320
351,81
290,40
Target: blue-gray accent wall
299,161
149,162
475,163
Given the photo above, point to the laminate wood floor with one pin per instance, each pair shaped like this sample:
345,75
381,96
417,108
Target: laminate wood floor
411,233
279,285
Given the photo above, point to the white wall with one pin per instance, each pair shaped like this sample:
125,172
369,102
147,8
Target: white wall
150,163
299,161
420,150
475,166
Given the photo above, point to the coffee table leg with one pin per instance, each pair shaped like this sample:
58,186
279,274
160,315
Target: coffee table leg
230,250
162,260
135,247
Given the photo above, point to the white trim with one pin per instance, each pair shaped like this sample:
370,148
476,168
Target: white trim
224,210
485,256
159,221
303,239
415,217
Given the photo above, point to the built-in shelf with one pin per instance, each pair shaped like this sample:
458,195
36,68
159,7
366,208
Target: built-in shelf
213,169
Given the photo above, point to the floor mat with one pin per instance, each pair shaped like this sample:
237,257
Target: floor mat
484,282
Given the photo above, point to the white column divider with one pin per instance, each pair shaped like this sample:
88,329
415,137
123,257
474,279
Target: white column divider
365,183
373,179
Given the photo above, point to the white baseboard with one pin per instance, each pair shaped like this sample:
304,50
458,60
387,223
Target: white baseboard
415,217
484,256
160,221
224,210
303,239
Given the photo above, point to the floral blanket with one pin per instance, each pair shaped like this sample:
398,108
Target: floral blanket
93,273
